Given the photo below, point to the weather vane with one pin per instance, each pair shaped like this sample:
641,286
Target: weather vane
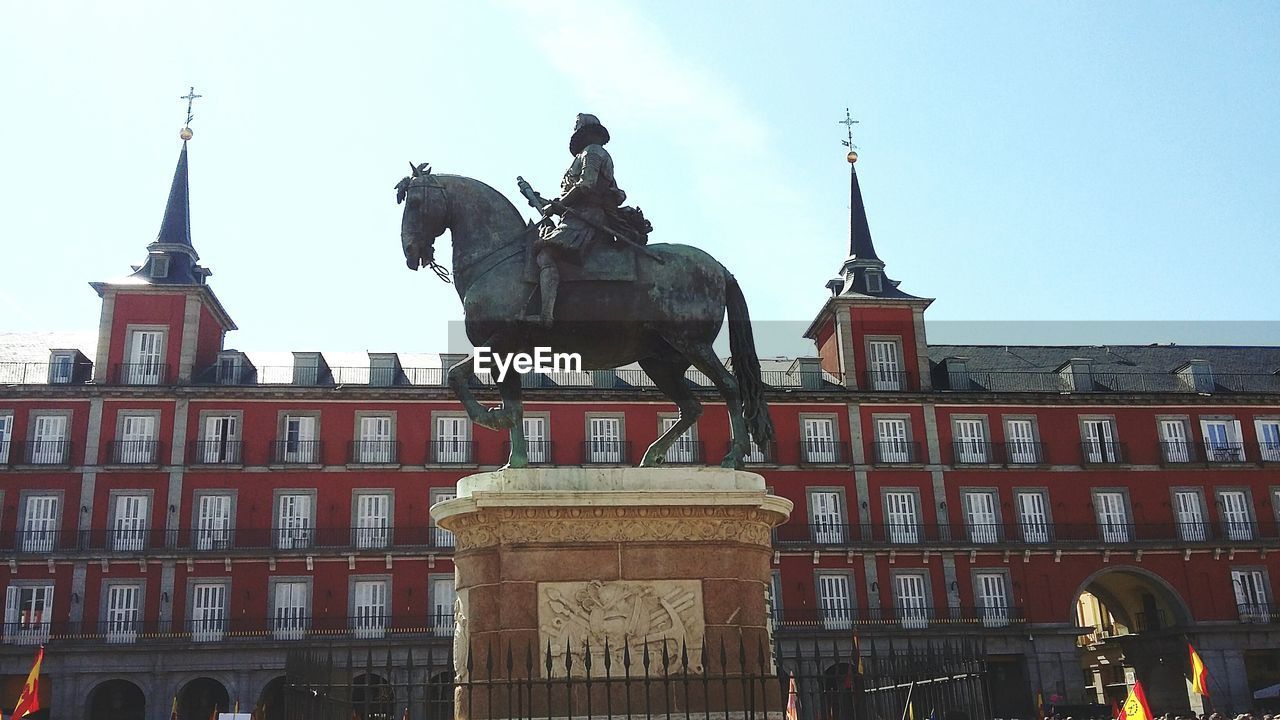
848,122
190,97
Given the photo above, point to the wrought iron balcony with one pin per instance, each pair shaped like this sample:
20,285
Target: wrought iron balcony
41,452
1224,452
297,452
606,452
1180,452
838,616
1258,612
685,451
540,452
888,381
141,374
451,452
135,452
973,452
822,452
217,452
232,627
373,452
895,452
1102,453
1025,452
1269,452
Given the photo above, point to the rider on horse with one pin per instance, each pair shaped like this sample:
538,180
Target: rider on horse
591,194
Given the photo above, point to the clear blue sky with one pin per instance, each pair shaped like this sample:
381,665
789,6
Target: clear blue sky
1020,161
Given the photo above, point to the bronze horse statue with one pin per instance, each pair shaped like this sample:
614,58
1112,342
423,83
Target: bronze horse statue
666,320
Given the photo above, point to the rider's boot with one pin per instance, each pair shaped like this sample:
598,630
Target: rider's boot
549,287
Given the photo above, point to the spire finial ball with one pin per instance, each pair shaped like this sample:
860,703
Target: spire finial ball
852,157
186,134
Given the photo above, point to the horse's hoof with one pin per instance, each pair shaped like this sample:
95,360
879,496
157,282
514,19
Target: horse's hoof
515,464
655,461
731,462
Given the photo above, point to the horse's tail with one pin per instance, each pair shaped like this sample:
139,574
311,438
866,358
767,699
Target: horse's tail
746,365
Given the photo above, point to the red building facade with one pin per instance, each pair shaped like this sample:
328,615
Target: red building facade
176,515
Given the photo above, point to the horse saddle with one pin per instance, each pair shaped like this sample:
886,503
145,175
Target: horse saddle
601,262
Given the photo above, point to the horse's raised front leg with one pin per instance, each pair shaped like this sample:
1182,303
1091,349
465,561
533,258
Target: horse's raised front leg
459,381
509,389
668,375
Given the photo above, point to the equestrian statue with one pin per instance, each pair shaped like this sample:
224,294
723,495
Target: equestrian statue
589,284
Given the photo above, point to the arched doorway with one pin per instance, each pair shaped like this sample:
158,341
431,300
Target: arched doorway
1131,625
440,696
372,698
117,700
839,688
271,702
199,698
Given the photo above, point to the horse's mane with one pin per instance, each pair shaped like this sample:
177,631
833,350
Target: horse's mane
496,201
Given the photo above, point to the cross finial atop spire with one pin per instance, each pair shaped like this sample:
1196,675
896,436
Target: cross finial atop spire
848,122
190,97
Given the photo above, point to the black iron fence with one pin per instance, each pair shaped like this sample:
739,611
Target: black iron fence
719,679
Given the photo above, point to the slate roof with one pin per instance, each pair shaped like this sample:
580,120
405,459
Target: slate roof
1152,359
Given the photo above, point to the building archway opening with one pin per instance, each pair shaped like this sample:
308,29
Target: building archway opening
200,698
372,697
117,700
271,702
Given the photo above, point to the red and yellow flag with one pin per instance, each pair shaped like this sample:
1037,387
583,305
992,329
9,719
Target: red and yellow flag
1040,704
1199,675
857,654
173,714
1135,706
1116,712
29,700
793,702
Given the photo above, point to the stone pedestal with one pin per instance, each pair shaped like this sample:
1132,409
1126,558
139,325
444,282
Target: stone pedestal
554,565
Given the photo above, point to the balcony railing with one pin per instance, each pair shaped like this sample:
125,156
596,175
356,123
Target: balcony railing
43,373
1025,452
233,627
822,452
1269,452
141,374
217,452
373,452
1020,381
835,534
839,616
606,452
297,452
895,452
1102,453
973,452
134,452
685,451
1258,613
539,452
451,452
1225,453
888,381
41,452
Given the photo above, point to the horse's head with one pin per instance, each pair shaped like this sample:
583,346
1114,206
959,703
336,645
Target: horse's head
426,215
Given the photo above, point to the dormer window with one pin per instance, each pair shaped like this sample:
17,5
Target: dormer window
160,266
61,368
874,282
229,370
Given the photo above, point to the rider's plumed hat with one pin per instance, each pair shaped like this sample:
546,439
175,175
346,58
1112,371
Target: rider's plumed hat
586,122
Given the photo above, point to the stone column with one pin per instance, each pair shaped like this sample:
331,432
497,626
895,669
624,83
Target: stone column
554,564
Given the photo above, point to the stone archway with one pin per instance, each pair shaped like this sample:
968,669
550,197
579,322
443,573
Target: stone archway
271,702
372,697
117,700
1132,623
198,699
440,696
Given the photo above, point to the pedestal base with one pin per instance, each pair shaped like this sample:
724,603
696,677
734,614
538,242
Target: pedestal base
668,567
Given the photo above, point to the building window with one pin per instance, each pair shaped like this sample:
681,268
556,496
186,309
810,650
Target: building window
684,450
440,537
28,612
1236,521
6,438
213,521
62,368
228,372
1098,440
452,444
911,599
123,613
538,446
874,285
375,443
290,611
827,517
885,369
604,440
373,520
1268,439
221,442
208,611
300,444
820,445
294,527
902,522
1033,516
1175,441
49,444
1252,599
146,358
835,602
1188,509
1113,516
891,444
40,523
369,608
980,515
971,441
1222,440
160,266
129,522
1020,442
443,596
993,598
136,443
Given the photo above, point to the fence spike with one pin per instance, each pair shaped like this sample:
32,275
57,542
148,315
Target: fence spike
548,661
644,657
608,657
626,655
568,659
666,659
586,660
684,657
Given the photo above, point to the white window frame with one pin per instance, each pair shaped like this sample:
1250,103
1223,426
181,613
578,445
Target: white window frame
913,609
130,519
1034,529
120,621
451,439
828,517
1234,507
1175,438
291,619
606,443
1223,441
295,530
981,507
993,607
1098,438
62,368
537,438
28,627
136,433
1111,509
1189,514
213,530
6,437
441,603
220,439
835,599
684,450
208,622
1267,431
372,529
1022,448
1252,590
39,532
441,538
370,606
375,438
300,438
820,438
901,515
884,363
49,447
892,439
146,364
970,440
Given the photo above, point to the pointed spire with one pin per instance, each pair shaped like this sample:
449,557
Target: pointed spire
175,228
860,245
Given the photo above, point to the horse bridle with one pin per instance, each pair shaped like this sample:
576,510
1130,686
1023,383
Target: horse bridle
441,271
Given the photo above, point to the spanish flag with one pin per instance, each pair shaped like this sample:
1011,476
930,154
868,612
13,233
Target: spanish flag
29,700
1199,675
857,654
1040,704
1135,706
793,702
